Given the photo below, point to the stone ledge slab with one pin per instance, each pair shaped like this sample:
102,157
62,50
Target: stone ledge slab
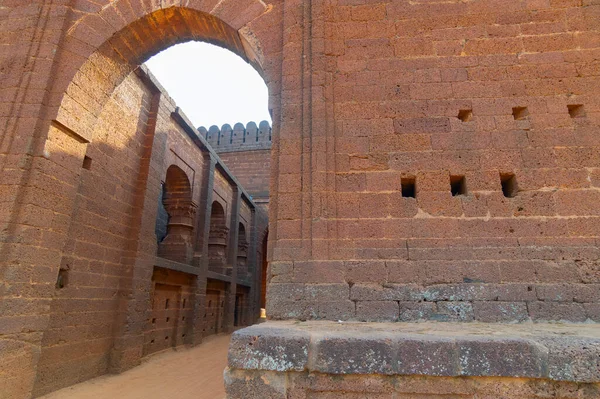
561,352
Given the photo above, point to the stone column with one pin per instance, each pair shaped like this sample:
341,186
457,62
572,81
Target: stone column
178,244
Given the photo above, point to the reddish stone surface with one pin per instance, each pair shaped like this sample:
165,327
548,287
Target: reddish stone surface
496,102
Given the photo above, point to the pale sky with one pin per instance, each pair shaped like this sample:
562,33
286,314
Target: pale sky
213,86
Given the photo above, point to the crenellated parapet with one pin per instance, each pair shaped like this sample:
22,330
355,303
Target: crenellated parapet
239,138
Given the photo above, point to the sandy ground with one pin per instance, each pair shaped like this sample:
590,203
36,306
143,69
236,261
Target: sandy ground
195,373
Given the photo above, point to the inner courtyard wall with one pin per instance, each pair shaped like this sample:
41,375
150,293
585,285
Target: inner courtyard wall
246,149
94,275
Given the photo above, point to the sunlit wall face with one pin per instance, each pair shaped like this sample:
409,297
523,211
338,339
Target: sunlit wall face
213,86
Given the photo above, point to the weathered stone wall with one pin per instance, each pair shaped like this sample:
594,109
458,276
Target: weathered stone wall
84,306
85,310
466,166
273,385
452,97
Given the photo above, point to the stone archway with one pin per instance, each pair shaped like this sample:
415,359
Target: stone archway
116,49
97,50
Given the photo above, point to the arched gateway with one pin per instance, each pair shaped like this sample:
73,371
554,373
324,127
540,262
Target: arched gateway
115,299
433,162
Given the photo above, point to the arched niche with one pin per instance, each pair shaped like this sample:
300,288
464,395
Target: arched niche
181,211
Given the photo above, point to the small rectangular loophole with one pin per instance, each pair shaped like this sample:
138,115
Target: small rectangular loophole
465,115
409,187
509,185
87,162
63,279
520,113
576,110
458,185
167,303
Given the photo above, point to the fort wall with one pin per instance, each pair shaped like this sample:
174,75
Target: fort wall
246,150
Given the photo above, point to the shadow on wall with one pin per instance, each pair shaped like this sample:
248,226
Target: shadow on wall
112,295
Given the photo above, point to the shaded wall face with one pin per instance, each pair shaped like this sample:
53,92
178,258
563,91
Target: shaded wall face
82,312
450,100
113,227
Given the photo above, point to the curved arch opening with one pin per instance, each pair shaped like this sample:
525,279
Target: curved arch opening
99,64
213,85
177,203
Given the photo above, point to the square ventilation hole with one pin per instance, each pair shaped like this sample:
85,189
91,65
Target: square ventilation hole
458,185
409,187
87,163
520,113
509,185
576,111
465,115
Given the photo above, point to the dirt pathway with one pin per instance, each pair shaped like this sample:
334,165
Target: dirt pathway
195,373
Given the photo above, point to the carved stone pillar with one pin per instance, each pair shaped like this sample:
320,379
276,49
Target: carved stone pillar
217,250
178,244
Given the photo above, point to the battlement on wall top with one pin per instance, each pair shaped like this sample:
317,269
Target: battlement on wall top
239,137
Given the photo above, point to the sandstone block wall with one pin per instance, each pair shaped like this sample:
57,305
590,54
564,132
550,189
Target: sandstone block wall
176,303
461,141
62,64
431,160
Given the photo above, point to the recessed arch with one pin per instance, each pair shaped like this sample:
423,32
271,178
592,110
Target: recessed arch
177,184
177,201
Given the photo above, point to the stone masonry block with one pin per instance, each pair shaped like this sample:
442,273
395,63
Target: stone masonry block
259,348
454,311
413,311
377,311
391,292
351,355
335,310
495,312
238,384
517,357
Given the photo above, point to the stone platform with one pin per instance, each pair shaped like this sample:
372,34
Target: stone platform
408,360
